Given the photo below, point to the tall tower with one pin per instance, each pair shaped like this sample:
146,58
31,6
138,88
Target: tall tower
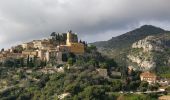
69,37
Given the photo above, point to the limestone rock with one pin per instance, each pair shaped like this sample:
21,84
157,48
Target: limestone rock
150,52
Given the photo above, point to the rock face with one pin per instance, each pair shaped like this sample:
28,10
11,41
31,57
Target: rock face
150,43
150,52
141,64
118,47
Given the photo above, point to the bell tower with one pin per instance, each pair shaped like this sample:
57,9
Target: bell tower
69,37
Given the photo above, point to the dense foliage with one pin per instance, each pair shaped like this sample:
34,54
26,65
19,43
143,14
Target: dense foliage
119,47
80,81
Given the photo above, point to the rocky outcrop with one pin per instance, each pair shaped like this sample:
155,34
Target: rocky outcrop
118,47
141,64
150,52
150,43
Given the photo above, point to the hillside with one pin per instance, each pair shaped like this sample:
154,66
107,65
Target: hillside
73,76
126,39
150,53
117,47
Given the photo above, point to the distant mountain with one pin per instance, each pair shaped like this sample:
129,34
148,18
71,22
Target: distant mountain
128,38
117,47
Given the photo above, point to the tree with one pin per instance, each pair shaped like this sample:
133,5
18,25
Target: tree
70,61
73,88
93,93
153,87
71,55
59,39
53,34
116,85
2,50
133,85
92,47
43,63
30,62
79,62
43,81
94,62
64,57
9,63
103,65
22,62
143,86
111,63
18,49
168,89
80,41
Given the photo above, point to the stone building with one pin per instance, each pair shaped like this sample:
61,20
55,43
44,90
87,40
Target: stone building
47,49
102,72
72,44
71,38
27,45
30,52
149,77
40,44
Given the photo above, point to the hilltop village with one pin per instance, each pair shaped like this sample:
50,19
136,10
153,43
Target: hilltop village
64,67
52,50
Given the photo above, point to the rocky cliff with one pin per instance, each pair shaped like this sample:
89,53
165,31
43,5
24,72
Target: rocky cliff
150,52
118,47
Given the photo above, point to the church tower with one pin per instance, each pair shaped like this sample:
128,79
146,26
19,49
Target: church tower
69,37
73,44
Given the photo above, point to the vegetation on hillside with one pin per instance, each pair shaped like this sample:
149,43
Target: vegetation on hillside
82,78
119,47
80,81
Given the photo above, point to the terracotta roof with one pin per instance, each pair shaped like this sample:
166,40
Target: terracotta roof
147,74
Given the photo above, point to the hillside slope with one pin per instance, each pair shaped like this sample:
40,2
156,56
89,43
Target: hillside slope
150,52
126,39
118,47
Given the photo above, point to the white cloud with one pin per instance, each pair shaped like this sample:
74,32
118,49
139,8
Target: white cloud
22,20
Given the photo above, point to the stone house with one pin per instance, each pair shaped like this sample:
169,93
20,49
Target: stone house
149,77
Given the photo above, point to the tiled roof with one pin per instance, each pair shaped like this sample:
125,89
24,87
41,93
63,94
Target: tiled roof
147,74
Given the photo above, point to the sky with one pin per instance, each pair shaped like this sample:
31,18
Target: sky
93,20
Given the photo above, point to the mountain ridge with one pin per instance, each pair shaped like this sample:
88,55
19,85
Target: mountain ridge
118,47
139,30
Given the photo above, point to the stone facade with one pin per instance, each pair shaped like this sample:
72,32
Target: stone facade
72,44
102,72
48,50
27,45
41,44
149,77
